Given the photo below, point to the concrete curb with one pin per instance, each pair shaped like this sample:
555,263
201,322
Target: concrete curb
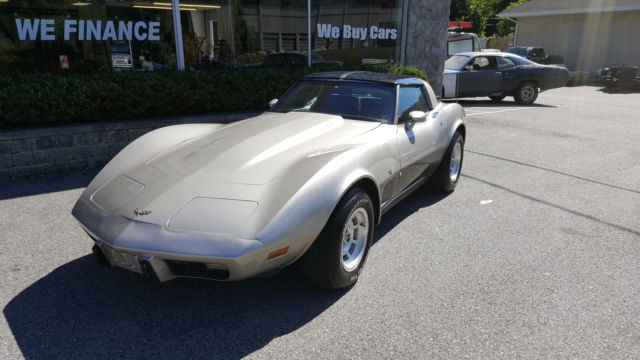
35,152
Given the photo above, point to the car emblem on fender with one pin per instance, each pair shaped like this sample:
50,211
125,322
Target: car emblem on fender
140,212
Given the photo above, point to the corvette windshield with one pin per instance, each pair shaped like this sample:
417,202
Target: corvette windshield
351,100
455,62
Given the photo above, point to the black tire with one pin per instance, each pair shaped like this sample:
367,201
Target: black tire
527,93
442,180
497,98
323,263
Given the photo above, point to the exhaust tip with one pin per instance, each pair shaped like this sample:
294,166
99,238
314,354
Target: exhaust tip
99,256
148,271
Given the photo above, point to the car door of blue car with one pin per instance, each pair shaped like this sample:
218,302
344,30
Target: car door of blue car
510,78
480,77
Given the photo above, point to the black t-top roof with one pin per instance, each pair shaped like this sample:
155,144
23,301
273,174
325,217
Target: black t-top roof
365,76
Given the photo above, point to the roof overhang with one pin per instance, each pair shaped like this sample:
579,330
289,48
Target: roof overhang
517,14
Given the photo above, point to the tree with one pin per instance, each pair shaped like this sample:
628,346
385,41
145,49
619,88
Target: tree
480,12
505,27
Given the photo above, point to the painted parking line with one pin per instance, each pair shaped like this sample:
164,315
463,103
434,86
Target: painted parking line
496,112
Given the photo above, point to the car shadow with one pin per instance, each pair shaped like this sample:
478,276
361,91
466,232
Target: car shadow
412,204
628,89
488,103
14,188
82,310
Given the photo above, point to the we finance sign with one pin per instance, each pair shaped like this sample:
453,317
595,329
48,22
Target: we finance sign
45,29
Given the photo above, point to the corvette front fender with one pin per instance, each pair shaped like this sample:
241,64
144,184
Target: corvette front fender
299,222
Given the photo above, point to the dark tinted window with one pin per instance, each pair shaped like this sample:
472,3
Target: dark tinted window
411,99
538,52
351,100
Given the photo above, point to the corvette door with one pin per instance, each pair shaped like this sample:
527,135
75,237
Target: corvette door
418,146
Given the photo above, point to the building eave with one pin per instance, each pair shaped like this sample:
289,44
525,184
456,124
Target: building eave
517,14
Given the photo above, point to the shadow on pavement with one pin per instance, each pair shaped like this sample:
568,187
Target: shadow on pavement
488,103
15,188
412,204
629,89
82,310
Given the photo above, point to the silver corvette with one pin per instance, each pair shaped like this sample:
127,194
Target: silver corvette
306,181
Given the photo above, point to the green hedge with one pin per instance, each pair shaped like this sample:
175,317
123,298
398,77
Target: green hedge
32,100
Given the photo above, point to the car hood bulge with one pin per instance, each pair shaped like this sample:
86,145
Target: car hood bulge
256,150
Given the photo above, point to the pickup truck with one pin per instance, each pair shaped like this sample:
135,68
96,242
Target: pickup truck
536,54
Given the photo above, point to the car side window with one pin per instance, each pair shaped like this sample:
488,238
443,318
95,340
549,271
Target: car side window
484,63
505,63
412,98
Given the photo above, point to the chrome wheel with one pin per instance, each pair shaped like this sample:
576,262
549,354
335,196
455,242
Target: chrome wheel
527,93
354,239
456,161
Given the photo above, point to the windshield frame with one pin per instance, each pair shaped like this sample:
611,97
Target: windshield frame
394,98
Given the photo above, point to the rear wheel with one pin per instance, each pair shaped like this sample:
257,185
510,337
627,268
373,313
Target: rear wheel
526,93
336,258
497,98
446,177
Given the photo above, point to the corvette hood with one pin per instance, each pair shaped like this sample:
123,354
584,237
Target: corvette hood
256,150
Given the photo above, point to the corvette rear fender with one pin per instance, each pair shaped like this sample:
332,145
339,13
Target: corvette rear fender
455,113
146,147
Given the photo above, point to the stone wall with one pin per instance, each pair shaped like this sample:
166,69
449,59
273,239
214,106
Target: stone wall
34,152
426,46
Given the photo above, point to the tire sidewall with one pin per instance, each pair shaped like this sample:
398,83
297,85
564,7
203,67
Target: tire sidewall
339,276
519,98
457,138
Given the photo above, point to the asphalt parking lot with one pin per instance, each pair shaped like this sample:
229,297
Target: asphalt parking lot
535,255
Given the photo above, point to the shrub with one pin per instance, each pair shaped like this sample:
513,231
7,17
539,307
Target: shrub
32,100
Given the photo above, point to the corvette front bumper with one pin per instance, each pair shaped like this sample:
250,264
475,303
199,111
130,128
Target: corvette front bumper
154,250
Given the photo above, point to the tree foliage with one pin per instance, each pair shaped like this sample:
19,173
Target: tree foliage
482,13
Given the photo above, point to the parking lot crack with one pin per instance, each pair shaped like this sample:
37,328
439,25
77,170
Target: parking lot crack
559,207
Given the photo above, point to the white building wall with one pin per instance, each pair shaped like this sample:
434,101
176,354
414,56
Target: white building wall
586,41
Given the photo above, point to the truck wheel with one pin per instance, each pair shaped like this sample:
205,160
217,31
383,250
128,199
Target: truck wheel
336,258
526,93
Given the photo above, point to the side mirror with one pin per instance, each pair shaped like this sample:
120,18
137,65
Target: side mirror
468,68
414,117
273,103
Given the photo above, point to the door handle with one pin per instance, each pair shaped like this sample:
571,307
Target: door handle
498,72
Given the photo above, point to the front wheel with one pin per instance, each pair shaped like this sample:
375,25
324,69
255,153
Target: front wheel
446,177
526,93
337,257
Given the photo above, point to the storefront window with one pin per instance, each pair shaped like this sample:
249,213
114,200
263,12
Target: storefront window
54,35
49,35
272,32
356,32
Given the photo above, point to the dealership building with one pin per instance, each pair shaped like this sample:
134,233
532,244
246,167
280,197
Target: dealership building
54,35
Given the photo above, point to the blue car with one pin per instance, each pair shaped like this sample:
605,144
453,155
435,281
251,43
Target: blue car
498,75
